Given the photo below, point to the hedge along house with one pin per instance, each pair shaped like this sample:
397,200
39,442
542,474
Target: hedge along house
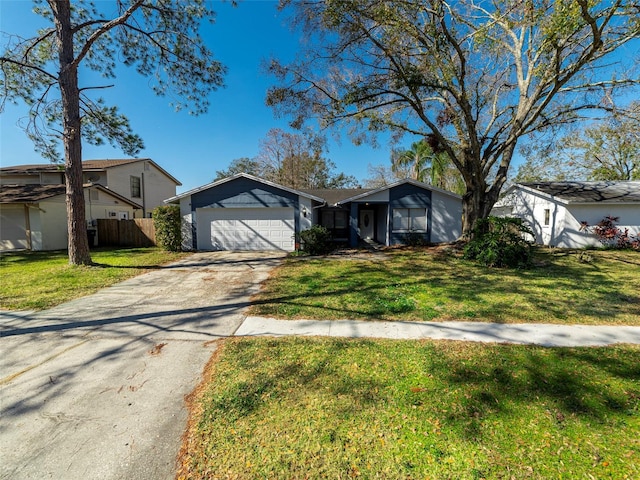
555,210
244,212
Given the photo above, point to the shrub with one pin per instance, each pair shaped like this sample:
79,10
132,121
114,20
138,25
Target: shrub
415,239
315,240
500,242
167,223
610,235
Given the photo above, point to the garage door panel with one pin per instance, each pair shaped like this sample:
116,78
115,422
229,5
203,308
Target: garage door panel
13,231
245,228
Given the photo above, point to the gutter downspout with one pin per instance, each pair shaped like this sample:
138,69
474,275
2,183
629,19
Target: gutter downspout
144,203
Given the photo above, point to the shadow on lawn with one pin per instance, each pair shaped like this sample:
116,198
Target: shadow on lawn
558,291
466,387
595,384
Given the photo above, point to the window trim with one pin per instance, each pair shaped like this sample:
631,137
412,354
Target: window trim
135,188
410,220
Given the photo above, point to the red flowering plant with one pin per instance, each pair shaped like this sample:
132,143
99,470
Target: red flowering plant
610,235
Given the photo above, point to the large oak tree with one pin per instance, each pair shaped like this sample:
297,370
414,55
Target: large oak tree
159,38
473,76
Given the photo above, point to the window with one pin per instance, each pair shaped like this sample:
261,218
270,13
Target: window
547,216
336,221
135,186
410,219
93,194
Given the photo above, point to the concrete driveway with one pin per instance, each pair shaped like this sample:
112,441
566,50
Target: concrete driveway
94,388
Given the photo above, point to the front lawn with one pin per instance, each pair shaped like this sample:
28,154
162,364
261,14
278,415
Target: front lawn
300,408
37,280
430,284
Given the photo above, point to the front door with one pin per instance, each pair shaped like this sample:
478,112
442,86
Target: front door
366,224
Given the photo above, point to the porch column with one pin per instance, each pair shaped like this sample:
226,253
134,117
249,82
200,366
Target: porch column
353,225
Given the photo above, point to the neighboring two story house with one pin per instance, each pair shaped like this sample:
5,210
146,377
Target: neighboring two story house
32,198
140,180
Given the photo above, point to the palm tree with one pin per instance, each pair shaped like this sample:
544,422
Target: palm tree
424,165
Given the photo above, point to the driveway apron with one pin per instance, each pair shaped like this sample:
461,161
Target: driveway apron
94,388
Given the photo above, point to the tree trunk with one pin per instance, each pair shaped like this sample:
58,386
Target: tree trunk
477,203
72,140
475,206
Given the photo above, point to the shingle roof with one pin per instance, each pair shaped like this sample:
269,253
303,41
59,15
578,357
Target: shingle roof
37,168
29,193
87,166
102,164
35,193
590,192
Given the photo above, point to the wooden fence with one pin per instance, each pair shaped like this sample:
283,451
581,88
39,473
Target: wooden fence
138,232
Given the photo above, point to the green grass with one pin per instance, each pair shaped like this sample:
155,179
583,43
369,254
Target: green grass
333,408
430,285
37,280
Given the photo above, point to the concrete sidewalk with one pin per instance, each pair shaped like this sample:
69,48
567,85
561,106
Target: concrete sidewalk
536,334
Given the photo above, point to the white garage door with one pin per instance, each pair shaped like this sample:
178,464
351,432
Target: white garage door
13,233
245,228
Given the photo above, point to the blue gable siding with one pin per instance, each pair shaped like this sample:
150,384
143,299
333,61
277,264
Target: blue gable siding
408,196
243,193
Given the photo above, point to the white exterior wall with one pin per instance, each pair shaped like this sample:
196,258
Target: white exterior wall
13,227
446,218
187,223
52,228
572,237
52,178
48,221
103,206
19,179
565,219
155,185
96,177
531,208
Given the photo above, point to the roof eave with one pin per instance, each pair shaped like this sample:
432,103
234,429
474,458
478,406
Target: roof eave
193,191
416,183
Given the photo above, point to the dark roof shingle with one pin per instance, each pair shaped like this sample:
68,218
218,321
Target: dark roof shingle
29,193
590,192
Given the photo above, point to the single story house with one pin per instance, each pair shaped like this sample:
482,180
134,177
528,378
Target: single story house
555,210
244,212
34,217
140,180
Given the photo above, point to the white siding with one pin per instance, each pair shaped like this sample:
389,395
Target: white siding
53,224
13,234
565,219
446,218
572,237
155,185
187,223
531,208
52,178
19,179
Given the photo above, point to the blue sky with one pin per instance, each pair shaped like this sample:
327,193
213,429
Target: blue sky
193,148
